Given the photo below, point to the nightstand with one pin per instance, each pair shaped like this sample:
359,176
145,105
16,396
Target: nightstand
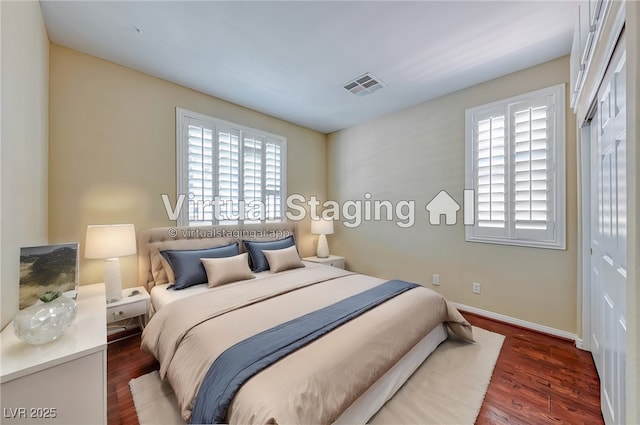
332,260
134,303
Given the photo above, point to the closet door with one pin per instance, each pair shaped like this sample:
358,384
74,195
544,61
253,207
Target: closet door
609,238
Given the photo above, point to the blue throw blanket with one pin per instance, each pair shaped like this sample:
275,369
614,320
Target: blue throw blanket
245,359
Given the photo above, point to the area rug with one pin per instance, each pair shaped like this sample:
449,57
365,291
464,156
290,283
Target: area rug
448,388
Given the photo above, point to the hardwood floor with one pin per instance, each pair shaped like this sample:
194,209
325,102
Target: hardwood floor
538,379
125,361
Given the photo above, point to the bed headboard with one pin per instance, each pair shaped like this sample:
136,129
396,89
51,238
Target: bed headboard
152,241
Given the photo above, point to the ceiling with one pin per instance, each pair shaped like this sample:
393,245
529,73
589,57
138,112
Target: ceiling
291,60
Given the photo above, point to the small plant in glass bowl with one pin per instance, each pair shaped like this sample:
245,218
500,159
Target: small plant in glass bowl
46,320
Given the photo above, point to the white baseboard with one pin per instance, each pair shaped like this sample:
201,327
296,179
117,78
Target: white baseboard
519,322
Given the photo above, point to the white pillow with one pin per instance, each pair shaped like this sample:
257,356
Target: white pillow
283,259
227,269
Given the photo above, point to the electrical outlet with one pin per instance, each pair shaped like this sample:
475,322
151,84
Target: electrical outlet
435,279
476,288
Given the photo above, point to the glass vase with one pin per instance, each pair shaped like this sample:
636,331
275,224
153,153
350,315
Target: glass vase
46,320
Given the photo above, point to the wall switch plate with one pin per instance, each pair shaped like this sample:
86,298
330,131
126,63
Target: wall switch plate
476,288
435,279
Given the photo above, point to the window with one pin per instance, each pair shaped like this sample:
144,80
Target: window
228,173
515,164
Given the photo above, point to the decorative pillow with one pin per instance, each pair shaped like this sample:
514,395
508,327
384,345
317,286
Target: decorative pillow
186,265
161,271
254,248
227,270
283,259
167,268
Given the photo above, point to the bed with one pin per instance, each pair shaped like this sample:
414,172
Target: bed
344,374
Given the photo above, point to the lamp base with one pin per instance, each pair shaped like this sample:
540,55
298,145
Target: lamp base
112,280
323,247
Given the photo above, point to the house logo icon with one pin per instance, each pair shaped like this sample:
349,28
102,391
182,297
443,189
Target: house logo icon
442,204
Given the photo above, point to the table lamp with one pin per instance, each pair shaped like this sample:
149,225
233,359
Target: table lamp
322,227
109,242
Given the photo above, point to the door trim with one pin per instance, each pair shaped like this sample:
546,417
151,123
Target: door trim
585,205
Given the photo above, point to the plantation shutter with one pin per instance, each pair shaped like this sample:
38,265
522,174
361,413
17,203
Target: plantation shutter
515,165
253,174
273,178
490,174
200,159
262,177
532,128
230,173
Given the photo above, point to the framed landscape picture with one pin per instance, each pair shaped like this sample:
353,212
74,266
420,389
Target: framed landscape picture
48,268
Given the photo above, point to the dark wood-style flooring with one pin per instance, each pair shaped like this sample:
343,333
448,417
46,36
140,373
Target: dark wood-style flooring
538,379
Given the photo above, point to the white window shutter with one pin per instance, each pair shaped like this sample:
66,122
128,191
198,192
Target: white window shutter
490,162
515,164
201,178
532,168
273,178
230,173
253,156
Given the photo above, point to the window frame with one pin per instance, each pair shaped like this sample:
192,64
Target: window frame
183,117
556,181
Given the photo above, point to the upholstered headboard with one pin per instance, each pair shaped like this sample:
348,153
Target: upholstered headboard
152,241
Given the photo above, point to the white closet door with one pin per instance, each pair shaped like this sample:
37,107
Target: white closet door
609,238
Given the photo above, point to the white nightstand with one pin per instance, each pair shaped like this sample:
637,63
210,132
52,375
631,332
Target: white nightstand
332,260
134,303
64,381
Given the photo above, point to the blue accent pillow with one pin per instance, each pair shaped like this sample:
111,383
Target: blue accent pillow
258,260
188,268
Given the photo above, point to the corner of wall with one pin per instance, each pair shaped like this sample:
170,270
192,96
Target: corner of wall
25,138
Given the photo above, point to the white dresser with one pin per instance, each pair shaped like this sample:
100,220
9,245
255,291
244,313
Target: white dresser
65,381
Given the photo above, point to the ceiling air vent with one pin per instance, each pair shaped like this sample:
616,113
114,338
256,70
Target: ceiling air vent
364,85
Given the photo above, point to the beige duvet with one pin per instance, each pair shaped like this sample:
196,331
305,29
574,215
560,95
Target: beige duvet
319,381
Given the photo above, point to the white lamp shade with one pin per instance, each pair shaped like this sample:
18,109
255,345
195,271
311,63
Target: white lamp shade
110,241
322,227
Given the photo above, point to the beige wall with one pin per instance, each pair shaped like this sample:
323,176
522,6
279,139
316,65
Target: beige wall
112,150
23,152
415,153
